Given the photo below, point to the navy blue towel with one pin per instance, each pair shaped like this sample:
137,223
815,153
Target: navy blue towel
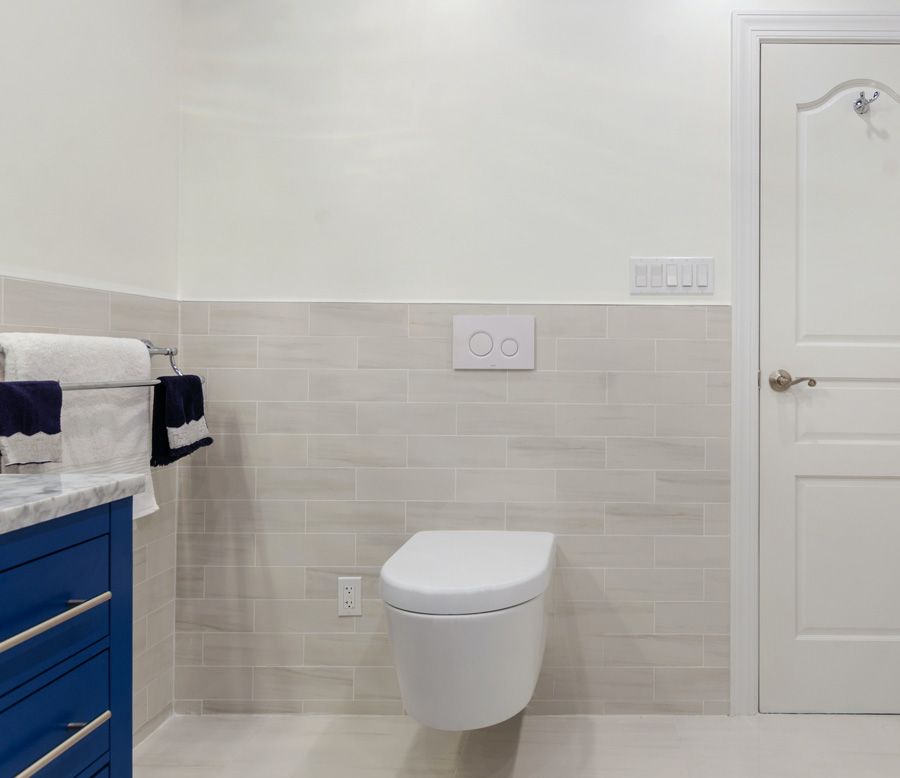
179,426
30,431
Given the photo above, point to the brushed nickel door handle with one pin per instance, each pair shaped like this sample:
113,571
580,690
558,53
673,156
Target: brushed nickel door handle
782,380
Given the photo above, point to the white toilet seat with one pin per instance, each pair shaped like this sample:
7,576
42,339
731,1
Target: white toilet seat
467,572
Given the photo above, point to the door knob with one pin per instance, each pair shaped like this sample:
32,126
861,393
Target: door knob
782,380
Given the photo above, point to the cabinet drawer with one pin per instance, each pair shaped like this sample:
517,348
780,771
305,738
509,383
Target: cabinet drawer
35,593
37,725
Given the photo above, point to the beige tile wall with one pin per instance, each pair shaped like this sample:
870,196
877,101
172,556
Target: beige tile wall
340,429
32,306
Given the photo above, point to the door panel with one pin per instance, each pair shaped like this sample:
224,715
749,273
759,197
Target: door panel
830,308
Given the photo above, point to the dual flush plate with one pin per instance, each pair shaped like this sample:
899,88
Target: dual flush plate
496,342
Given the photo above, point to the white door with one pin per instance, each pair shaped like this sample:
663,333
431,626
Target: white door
830,309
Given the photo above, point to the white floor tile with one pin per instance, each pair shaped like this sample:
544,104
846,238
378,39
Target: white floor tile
525,747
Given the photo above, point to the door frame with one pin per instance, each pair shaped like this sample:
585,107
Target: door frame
749,32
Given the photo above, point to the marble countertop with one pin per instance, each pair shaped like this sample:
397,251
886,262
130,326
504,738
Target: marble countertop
30,499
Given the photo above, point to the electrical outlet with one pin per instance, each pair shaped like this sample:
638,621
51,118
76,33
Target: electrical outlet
349,595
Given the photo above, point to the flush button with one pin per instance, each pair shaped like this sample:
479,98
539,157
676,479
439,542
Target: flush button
481,344
499,341
509,347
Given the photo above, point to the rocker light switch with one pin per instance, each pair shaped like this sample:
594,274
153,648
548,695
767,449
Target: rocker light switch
672,275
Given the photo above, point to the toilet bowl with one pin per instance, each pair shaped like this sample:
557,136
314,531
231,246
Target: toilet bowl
466,615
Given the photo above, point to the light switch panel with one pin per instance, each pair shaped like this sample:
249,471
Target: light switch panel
672,275
496,342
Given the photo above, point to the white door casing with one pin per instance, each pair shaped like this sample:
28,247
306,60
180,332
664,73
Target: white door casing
830,308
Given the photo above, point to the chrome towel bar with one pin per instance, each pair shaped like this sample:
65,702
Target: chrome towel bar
155,351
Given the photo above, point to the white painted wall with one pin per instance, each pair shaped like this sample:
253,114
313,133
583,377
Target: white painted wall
88,142
455,149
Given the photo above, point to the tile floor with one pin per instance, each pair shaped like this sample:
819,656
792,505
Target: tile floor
532,747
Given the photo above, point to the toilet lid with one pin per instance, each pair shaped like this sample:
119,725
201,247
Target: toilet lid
467,572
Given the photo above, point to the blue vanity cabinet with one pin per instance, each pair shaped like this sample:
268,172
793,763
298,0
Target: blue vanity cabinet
65,646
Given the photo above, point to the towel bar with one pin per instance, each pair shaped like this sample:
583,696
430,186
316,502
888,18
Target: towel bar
155,351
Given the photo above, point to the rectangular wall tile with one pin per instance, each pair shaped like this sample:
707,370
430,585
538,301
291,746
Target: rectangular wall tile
708,486
504,485
359,319
557,452
587,354
348,650
35,304
294,549
248,650
652,322
401,352
296,483
487,419
136,313
692,618
218,351
560,321
691,684
357,451
299,616
656,388
605,485
705,355
600,551
307,352
435,320
653,650
433,386
405,484
602,420
557,387
645,519
356,516
235,582
258,451
407,419
358,385
452,451
332,418
575,518
425,516
654,585
213,683
300,683
258,318
656,453
253,384
692,552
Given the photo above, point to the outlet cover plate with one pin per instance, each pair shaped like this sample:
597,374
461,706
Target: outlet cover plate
349,595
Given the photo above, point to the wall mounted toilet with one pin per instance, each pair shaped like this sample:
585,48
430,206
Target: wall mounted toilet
466,614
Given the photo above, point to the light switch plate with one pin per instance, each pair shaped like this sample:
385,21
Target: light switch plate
498,342
672,275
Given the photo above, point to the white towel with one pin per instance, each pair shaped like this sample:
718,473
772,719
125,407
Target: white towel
103,430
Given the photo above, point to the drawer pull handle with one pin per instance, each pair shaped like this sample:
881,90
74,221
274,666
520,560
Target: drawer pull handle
61,618
57,752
